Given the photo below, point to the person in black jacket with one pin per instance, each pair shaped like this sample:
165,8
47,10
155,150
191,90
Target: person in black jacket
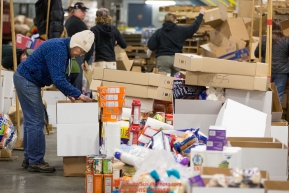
170,39
106,38
280,54
73,25
7,56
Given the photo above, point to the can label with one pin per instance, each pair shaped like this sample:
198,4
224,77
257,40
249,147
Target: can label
97,165
107,166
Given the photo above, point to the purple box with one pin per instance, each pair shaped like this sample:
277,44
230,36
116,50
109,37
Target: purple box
215,145
217,134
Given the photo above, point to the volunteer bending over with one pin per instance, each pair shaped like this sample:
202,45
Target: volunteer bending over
45,66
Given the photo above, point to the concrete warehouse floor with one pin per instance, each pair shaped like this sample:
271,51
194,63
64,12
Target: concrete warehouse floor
15,179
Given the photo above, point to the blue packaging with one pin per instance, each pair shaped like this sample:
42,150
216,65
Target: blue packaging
241,55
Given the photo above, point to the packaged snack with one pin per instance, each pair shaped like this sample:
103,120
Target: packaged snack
218,180
185,141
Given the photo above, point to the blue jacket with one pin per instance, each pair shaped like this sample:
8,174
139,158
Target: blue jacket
47,65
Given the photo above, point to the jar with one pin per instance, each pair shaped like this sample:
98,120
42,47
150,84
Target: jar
169,119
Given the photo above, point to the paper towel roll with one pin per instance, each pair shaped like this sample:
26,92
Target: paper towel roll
126,113
214,158
111,137
198,159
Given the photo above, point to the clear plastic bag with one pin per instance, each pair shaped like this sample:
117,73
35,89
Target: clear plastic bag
8,135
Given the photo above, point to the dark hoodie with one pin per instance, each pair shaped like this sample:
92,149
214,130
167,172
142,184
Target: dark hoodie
7,56
104,42
170,39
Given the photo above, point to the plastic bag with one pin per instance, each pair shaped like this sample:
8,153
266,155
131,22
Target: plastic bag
8,136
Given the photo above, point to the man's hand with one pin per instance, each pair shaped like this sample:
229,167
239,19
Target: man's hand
83,67
202,11
71,98
84,98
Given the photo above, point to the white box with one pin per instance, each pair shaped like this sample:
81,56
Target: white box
261,101
280,133
68,112
158,124
227,190
7,105
51,97
112,137
51,111
8,84
269,156
195,114
241,121
77,139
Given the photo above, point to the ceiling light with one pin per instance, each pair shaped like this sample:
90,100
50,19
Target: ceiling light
152,2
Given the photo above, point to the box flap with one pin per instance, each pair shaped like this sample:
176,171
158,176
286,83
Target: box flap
236,28
276,185
240,43
183,106
255,144
94,84
216,37
252,139
98,73
276,105
218,51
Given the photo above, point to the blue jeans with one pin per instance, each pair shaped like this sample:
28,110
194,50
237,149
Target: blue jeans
280,80
33,119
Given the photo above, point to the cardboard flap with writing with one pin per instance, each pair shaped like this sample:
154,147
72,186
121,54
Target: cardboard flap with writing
282,186
241,120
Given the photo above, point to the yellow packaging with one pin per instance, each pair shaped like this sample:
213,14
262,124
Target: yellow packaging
124,133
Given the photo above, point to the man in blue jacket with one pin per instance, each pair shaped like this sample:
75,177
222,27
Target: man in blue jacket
45,66
170,39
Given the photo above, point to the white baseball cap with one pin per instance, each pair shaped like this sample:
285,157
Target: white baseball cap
83,39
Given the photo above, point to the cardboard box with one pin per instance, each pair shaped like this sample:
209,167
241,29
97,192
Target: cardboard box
284,101
111,117
241,120
216,37
122,61
285,27
215,17
197,63
240,43
213,51
236,28
139,91
239,55
259,100
227,81
277,110
195,114
147,79
276,186
146,104
78,139
74,166
51,97
280,133
68,112
275,154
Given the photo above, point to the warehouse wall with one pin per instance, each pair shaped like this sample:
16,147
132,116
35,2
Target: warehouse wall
157,16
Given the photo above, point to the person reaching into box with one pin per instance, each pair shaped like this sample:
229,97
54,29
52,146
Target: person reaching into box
170,39
45,66
280,54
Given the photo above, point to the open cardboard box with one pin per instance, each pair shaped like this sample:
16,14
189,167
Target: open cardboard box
213,51
266,154
208,172
215,17
276,186
277,110
227,81
196,63
122,61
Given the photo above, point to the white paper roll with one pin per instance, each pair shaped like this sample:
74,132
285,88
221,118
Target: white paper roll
126,113
111,137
